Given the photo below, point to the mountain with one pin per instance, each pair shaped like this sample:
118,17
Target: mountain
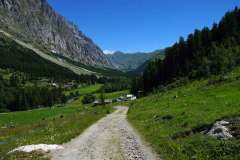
15,57
130,61
9,45
158,54
36,22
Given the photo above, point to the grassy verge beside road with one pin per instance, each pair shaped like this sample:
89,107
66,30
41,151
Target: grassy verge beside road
48,126
164,117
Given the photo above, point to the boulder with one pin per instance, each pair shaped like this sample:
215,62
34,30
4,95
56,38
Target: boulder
220,130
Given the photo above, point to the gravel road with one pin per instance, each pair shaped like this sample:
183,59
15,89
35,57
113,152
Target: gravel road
111,138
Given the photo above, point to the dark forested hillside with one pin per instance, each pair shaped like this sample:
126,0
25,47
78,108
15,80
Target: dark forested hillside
205,52
14,96
16,57
158,54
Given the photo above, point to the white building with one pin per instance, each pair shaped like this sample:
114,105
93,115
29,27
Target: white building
133,98
129,96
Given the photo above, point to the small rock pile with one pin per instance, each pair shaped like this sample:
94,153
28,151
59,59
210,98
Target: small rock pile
225,129
38,147
220,130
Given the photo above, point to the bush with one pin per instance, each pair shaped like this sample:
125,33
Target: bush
89,98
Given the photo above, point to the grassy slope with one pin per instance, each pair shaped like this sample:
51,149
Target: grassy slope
86,89
42,126
94,89
196,104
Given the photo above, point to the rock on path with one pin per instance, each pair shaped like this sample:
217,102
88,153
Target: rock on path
111,138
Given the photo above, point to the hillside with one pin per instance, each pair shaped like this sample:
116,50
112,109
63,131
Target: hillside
204,53
190,92
26,79
36,22
18,58
174,120
131,61
159,54
76,67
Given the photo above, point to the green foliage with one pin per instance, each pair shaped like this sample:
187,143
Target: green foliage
175,110
204,53
118,84
88,89
18,58
14,96
41,126
27,156
113,95
102,98
89,98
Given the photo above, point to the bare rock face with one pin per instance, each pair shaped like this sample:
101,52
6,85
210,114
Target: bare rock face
36,22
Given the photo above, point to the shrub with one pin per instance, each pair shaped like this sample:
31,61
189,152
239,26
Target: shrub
89,98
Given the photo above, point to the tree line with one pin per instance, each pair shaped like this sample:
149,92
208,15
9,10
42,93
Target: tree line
203,53
15,97
116,84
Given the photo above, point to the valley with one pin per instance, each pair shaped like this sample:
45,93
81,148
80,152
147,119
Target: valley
35,126
64,99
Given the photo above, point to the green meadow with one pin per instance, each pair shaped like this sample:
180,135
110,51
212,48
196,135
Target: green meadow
168,120
54,125
86,89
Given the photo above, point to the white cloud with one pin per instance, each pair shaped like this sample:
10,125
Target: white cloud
108,51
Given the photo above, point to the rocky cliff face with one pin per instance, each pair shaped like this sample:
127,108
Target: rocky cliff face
36,22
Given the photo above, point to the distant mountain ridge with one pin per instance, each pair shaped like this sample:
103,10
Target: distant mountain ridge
35,22
159,54
131,61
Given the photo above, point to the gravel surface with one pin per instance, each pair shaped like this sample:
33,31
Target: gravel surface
111,138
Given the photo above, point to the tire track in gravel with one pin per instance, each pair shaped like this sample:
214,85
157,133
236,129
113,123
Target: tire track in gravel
111,138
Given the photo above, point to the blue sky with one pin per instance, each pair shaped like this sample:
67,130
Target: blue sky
141,25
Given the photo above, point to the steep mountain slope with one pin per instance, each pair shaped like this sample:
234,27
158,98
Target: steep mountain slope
35,22
58,61
76,67
130,61
18,58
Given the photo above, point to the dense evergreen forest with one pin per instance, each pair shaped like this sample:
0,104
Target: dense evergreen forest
116,84
14,96
205,52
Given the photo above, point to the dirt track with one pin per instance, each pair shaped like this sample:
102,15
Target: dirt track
111,138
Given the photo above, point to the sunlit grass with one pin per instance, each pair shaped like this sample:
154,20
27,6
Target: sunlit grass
188,107
49,126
